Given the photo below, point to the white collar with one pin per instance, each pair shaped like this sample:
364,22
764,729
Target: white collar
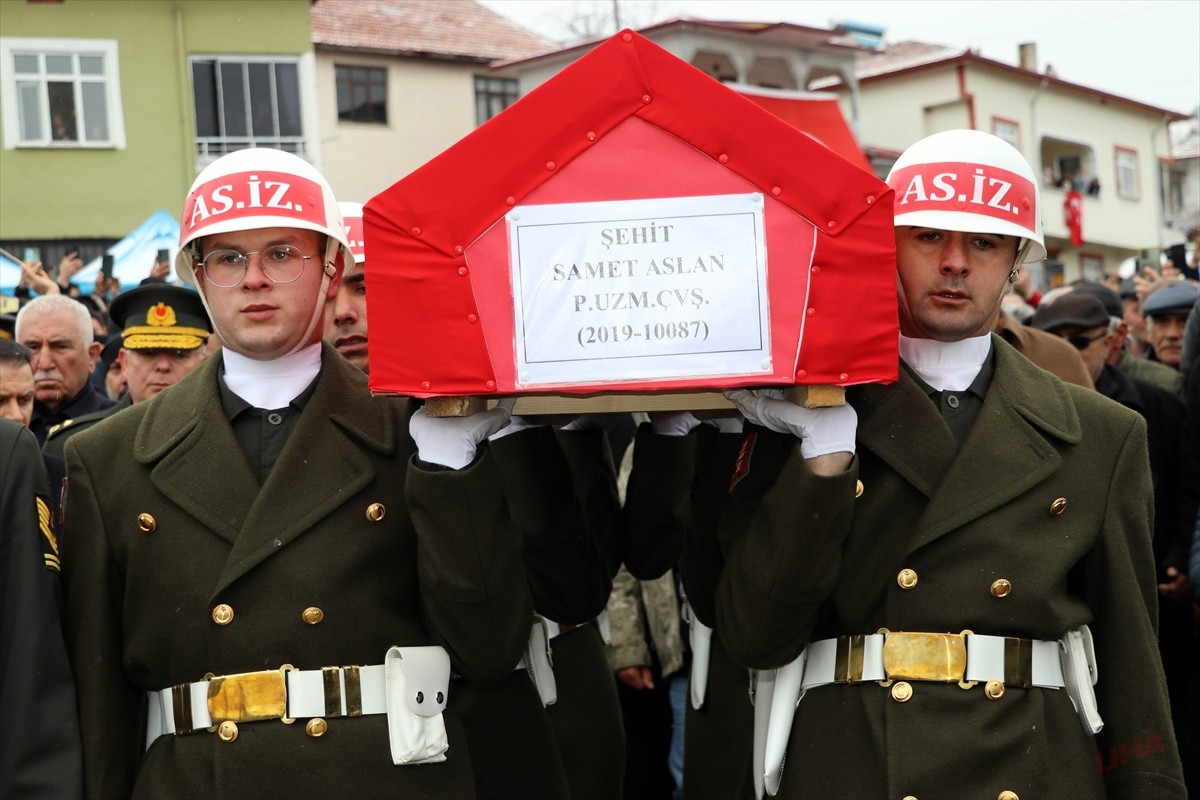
275,383
946,366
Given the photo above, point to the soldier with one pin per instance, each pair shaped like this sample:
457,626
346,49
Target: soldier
909,567
164,330
570,743
39,746
346,312
265,542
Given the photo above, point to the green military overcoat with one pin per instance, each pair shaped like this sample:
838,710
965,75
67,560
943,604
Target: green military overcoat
348,548
1039,523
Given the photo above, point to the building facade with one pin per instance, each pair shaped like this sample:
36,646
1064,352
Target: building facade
108,108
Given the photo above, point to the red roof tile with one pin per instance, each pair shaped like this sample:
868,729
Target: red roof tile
462,29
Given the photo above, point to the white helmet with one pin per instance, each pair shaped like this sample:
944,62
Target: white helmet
973,182
352,214
260,188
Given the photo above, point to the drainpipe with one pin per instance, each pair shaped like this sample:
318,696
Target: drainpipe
963,94
1160,214
1038,166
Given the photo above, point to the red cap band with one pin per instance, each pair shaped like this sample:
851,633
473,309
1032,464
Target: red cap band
959,186
252,194
354,235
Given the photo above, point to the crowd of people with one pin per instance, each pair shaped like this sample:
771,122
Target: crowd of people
232,571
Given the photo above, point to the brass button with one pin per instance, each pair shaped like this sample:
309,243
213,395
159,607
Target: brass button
1007,794
227,731
222,614
994,690
1001,587
146,523
907,579
901,692
312,615
1058,506
376,512
316,727
858,488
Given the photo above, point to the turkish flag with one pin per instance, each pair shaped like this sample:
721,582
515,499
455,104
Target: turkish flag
1073,212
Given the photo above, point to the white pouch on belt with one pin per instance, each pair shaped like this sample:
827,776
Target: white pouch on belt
539,662
700,641
788,693
1080,674
417,683
764,694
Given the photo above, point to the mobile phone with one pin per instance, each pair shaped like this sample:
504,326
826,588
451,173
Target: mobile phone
106,266
32,254
164,255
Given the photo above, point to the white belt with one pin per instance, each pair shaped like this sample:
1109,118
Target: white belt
327,692
1015,662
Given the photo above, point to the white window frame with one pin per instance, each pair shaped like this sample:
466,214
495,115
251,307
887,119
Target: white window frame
12,46
209,148
1000,123
1131,191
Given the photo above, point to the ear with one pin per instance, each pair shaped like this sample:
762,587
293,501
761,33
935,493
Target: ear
94,350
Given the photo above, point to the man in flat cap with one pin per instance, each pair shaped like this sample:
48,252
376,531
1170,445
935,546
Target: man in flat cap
1166,311
164,330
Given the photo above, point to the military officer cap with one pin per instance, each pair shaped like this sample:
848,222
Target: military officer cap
160,317
1074,310
8,324
1174,298
1107,297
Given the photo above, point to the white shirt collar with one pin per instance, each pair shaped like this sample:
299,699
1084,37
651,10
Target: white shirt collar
946,366
275,383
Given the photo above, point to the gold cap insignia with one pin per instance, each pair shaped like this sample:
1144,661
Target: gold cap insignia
160,315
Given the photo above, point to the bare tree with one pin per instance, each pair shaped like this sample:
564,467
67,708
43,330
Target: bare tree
592,19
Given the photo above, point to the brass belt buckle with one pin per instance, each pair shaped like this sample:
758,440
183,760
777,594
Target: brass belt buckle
249,696
925,656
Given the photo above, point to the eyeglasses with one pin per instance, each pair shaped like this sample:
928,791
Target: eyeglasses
281,263
1082,341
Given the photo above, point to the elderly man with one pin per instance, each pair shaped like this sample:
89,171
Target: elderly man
1166,311
164,330
912,564
58,332
267,542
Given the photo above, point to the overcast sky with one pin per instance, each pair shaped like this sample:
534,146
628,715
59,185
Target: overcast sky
1147,50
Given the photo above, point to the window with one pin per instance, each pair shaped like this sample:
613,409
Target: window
246,101
60,93
1091,267
493,95
1008,130
361,93
1067,165
1127,176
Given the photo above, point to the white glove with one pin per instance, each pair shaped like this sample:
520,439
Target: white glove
586,422
821,431
515,423
672,423
454,441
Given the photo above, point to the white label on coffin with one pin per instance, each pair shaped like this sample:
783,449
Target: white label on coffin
639,290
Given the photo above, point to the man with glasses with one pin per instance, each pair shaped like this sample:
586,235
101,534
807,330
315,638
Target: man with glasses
267,544
164,330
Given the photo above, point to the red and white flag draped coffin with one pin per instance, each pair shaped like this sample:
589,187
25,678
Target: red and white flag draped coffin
628,122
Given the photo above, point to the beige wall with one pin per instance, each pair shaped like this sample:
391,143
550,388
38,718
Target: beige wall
430,106
898,111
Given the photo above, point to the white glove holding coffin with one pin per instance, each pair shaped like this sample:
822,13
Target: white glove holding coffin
821,431
672,423
454,441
